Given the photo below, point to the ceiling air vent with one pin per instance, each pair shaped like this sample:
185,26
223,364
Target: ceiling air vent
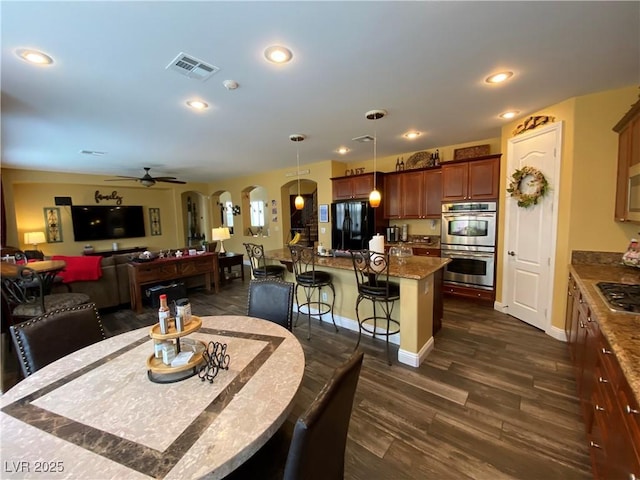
192,67
363,139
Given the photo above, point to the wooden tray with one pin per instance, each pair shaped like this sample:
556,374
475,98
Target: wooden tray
156,365
194,325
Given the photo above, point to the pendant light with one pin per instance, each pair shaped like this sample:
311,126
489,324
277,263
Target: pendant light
374,196
299,201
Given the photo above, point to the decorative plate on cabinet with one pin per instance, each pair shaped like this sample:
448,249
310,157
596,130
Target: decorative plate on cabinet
419,160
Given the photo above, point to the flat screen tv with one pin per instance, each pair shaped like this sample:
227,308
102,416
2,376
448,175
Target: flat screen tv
106,222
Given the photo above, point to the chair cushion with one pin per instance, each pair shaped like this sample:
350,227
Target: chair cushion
269,271
308,279
55,301
379,290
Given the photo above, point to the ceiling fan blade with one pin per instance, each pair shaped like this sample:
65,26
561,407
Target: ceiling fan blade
160,179
169,181
120,178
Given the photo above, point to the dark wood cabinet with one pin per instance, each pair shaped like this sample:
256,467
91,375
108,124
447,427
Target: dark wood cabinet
413,194
478,294
355,186
628,129
610,412
426,251
392,196
476,179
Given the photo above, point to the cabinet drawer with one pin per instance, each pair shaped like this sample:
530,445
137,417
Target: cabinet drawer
195,267
426,252
147,273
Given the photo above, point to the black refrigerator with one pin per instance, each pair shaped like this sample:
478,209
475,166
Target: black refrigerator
353,223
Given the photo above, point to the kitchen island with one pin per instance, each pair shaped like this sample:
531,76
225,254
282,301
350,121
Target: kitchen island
420,280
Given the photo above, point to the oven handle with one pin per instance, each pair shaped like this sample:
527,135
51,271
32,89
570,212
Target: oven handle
470,215
466,255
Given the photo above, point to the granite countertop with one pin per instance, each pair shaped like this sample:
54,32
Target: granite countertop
414,267
622,330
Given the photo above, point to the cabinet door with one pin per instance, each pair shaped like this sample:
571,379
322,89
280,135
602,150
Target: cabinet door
392,196
363,184
412,195
454,181
484,179
342,189
432,194
571,320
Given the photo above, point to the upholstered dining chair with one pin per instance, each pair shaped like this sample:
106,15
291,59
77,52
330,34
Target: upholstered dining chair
24,294
316,449
42,340
271,299
259,267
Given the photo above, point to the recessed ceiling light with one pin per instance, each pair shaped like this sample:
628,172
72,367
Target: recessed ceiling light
412,135
499,77
34,56
278,54
343,150
508,115
197,104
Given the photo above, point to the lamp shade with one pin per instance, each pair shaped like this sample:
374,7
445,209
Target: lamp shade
221,233
299,202
374,199
34,238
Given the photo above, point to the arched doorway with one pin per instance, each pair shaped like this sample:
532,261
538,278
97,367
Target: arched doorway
303,221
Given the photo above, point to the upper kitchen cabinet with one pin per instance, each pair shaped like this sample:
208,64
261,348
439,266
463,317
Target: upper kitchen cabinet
354,186
413,194
628,181
473,179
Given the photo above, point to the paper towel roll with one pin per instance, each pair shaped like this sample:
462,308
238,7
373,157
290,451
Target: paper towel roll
376,244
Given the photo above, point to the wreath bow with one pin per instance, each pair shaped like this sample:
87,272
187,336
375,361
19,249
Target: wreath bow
538,182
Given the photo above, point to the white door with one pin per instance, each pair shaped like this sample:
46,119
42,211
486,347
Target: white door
531,232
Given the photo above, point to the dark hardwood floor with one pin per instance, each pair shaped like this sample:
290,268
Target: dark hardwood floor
494,400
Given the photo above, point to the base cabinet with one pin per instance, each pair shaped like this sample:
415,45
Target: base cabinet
611,414
484,296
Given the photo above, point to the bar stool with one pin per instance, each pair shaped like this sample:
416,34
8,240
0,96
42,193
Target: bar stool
310,279
259,267
372,276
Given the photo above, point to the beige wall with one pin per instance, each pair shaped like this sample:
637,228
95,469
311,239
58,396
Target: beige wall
587,185
27,193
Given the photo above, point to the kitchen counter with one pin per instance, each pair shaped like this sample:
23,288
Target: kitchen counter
419,307
622,330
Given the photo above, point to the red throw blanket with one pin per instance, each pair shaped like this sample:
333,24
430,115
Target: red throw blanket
80,268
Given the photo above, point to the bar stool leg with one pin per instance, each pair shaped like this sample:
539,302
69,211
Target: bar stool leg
333,302
358,319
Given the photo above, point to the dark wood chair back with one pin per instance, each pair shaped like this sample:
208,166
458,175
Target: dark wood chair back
271,299
49,337
320,435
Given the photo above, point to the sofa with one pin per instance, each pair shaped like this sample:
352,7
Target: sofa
111,289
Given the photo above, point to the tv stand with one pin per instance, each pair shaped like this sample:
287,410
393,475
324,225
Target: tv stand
109,253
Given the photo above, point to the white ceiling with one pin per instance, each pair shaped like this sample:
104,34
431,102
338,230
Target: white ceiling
424,62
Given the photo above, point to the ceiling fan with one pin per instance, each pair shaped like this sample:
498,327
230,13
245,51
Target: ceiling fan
147,180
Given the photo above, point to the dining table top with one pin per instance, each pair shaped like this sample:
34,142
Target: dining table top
95,413
40,266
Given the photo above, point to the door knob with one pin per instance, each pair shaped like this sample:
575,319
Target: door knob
511,252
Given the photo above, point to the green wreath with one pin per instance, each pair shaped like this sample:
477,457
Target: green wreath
538,181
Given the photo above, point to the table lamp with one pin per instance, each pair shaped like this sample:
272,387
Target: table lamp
34,238
220,235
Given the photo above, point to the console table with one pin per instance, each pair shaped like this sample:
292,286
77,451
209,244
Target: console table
228,260
164,269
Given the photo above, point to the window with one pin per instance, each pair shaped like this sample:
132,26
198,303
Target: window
257,213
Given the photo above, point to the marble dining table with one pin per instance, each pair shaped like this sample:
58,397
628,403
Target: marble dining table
95,413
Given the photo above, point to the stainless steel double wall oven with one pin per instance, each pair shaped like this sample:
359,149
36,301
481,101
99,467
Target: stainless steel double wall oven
469,238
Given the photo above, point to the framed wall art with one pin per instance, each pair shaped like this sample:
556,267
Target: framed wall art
154,221
53,228
323,213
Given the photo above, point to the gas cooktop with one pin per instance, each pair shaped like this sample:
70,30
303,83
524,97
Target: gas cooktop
621,297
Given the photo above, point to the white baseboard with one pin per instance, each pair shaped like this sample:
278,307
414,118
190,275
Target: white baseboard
413,359
557,333
501,307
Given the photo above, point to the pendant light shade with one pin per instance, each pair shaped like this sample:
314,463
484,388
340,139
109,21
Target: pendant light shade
299,201
374,196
